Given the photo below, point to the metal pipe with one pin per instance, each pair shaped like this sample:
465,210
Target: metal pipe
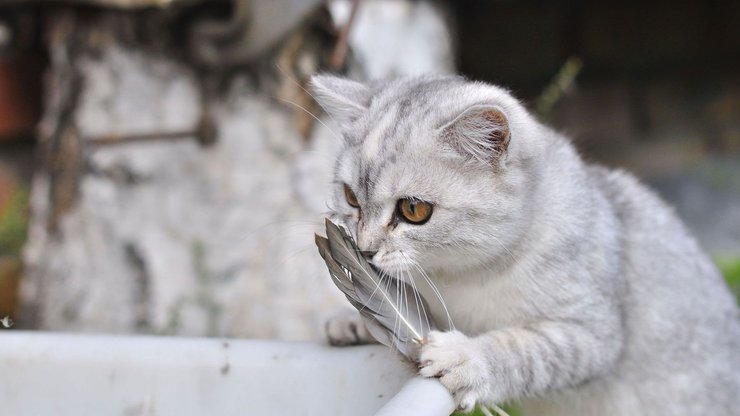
115,4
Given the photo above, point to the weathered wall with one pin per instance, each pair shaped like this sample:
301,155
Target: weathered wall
173,237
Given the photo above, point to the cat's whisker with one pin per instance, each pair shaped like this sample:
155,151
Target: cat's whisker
281,226
499,411
314,117
298,84
434,288
419,302
401,289
377,287
402,300
482,253
396,323
290,257
504,247
417,298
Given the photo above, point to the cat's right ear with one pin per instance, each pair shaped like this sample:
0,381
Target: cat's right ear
345,100
481,132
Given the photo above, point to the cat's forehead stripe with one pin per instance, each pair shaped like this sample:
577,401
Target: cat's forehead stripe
374,139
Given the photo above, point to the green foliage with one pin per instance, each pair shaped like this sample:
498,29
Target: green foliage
731,270
510,410
14,222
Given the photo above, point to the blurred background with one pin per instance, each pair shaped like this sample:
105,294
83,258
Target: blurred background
162,172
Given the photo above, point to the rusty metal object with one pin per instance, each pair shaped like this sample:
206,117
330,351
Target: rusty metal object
20,100
205,133
253,28
294,78
21,67
250,29
297,61
65,166
11,269
339,56
114,4
59,139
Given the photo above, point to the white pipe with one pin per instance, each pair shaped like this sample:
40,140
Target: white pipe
421,397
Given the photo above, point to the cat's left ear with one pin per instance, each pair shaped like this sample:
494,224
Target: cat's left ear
480,132
344,99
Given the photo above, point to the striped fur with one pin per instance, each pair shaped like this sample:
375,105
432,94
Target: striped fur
574,289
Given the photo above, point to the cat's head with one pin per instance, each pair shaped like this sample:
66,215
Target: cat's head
435,172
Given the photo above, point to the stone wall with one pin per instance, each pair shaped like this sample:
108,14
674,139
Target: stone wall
176,237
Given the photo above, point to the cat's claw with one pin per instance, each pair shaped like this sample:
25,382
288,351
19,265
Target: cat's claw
457,361
347,328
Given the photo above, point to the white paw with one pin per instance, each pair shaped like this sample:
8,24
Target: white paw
459,364
347,328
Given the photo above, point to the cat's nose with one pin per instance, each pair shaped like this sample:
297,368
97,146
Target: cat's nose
368,254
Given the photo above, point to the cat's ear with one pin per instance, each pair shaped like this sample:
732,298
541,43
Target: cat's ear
480,132
345,100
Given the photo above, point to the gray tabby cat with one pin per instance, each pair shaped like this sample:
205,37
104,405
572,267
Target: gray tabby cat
574,289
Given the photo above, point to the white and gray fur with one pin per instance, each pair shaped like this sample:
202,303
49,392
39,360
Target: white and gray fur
574,289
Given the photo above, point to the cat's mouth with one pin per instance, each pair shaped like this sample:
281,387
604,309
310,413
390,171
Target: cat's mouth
400,277
394,263
395,272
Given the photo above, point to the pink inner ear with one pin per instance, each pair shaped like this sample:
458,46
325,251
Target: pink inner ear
480,133
501,135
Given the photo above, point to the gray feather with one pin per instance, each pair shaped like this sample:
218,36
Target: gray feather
342,280
394,312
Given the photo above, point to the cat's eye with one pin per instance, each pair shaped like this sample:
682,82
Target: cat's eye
414,211
350,197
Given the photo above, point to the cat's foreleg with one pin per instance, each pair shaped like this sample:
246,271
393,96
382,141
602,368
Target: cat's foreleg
512,363
346,327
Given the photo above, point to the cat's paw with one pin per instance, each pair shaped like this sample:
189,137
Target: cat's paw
347,328
459,363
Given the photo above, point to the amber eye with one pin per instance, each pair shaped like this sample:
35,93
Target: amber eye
350,196
414,211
